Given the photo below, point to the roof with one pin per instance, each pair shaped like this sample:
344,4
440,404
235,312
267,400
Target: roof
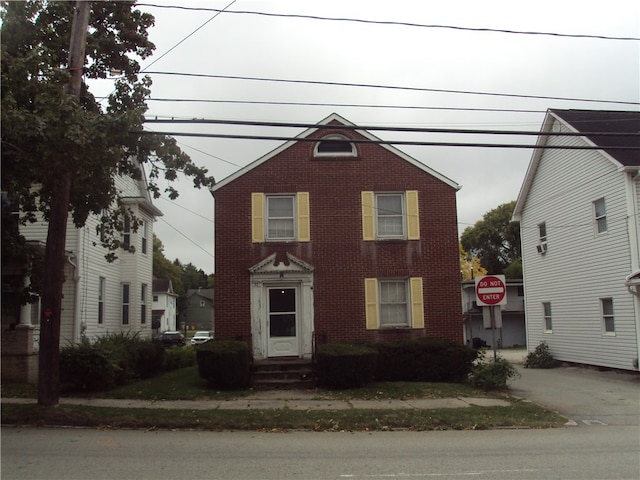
162,285
590,123
203,292
334,117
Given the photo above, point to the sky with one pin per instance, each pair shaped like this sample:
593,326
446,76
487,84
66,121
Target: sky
494,81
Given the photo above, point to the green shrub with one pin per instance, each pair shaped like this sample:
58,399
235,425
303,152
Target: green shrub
225,364
85,368
492,375
132,357
540,358
147,358
176,358
343,365
424,360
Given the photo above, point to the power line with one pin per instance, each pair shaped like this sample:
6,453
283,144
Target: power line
387,142
391,129
344,105
394,23
389,87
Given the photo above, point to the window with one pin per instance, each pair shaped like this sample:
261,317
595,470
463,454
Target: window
201,303
101,292
390,215
126,233
335,146
394,303
542,238
280,217
125,304
102,229
546,312
155,298
600,212
143,303
143,231
607,316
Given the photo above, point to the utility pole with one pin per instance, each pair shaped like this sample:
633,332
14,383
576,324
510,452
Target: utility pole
54,259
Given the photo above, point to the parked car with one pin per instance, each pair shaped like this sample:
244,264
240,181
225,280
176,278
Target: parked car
201,337
172,339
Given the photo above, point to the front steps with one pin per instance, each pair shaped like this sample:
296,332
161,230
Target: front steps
283,373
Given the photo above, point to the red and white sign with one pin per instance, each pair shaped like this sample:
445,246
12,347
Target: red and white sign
491,290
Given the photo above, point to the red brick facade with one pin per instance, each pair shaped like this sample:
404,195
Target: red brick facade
336,250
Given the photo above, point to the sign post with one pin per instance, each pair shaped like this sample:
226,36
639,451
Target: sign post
491,291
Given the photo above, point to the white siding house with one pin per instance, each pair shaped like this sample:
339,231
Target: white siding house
102,297
165,306
579,221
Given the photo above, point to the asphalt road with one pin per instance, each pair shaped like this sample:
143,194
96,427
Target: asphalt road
609,452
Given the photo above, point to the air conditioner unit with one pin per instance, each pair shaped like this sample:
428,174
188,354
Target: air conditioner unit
542,248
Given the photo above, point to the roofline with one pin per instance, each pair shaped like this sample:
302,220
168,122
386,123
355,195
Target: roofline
324,122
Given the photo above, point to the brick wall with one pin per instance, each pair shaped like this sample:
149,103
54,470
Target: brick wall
341,258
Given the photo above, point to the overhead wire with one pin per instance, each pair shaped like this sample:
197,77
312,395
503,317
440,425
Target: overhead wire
396,23
388,87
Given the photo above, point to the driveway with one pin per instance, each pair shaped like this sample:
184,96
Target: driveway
585,395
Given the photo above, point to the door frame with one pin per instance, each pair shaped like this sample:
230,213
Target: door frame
292,273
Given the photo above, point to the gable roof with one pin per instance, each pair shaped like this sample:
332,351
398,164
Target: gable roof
202,292
590,123
334,117
162,285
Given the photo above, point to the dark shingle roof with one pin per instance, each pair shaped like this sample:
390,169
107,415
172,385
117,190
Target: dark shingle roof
591,122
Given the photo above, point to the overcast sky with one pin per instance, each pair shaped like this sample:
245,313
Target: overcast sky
292,48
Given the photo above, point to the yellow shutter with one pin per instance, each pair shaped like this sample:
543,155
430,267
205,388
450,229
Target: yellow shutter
371,302
413,215
257,217
304,233
368,221
417,303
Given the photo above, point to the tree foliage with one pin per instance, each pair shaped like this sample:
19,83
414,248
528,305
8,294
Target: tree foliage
495,240
45,130
469,266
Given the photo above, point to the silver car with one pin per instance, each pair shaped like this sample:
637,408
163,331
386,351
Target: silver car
201,337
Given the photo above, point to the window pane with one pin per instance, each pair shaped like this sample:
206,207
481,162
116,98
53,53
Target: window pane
609,325
281,228
543,232
602,224
607,306
281,207
600,208
390,215
393,303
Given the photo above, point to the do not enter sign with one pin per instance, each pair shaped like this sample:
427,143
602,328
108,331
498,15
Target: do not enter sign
491,290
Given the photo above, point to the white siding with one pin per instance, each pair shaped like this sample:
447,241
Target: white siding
86,264
580,266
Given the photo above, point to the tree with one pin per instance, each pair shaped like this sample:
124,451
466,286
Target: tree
495,240
51,123
469,266
163,268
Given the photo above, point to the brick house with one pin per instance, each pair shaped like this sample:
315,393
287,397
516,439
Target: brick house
332,237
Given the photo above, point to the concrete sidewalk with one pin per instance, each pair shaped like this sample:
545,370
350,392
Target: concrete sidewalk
279,399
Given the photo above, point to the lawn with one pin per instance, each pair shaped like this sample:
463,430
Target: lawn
185,384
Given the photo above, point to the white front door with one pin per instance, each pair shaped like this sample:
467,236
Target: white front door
282,321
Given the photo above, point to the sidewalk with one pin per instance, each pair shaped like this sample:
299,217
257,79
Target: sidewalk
278,399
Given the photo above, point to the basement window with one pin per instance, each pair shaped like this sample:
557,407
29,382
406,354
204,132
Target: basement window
335,146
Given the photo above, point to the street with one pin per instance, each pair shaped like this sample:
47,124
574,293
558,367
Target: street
584,452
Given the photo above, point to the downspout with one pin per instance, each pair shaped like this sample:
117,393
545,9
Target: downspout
633,228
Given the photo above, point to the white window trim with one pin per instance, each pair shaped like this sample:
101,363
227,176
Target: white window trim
123,304
407,323
143,303
545,317
403,215
607,316
267,217
601,217
102,290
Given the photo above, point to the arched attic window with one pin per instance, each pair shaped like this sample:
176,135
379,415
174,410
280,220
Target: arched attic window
335,146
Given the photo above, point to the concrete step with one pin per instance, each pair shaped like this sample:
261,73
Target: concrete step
283,373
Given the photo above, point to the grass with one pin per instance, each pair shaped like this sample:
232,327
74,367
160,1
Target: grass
185,384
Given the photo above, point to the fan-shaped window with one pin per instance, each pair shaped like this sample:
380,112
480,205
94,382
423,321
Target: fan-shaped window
335,146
